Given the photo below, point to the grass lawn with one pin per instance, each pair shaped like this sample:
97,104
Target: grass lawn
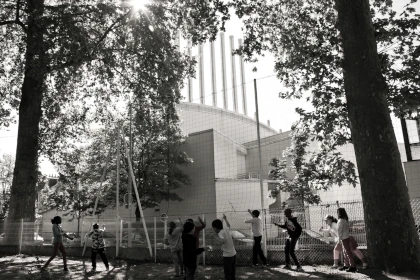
28,267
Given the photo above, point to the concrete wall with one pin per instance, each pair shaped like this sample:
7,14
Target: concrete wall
240,128
412,173
229,157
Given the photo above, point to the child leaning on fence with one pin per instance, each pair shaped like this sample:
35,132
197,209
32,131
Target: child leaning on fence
173,240
294,229
98,246
58,234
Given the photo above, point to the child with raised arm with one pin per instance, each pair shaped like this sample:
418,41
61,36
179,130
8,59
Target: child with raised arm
224,237
58,234
173,240
98,246
257,233
190,252
294,230
197,231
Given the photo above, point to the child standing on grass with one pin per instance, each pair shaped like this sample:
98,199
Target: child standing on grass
224,237
333,231
257,233
58,234
98,246
294,230
173,240
190,252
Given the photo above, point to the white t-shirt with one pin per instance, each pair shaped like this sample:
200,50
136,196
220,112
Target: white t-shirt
174,239
256,226
227,247
333,231
343,229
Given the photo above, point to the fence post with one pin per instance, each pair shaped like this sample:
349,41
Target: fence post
81,232
204,243
121,232
154,221
21,236
265,233
116,238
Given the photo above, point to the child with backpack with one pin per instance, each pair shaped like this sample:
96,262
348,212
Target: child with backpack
294,230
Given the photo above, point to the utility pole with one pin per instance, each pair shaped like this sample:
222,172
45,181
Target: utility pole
130,188
260,167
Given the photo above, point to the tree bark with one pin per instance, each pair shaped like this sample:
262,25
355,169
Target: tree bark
391,237
23,190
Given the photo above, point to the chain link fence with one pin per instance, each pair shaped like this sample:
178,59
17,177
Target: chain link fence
125,239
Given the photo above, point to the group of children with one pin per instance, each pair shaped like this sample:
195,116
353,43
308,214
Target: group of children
183,241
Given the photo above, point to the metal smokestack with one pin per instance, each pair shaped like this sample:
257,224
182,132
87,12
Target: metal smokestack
232,60
243,87
201,73
224,84
190,81
213,74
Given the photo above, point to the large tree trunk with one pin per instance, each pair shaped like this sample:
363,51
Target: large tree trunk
23,190
391,237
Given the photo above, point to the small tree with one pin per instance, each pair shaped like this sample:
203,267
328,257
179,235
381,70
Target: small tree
76,200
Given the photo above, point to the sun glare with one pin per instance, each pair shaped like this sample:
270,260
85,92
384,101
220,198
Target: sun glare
139,4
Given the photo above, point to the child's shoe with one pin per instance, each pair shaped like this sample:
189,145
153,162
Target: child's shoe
107,268
287,266
343,268
351,269
335,266
299,268
365,266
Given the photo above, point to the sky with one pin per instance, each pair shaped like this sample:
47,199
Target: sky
281,113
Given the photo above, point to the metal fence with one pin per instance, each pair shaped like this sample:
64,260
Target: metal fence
314,247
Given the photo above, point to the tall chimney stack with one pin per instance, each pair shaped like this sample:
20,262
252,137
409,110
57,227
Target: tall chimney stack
243,87
224,83
190,81
201,73
233,64
213,74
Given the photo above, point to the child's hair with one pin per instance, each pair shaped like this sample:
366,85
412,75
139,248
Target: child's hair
172,226
95,226
288,211
56,220
188,227
217,224
342,214
256,213
331,217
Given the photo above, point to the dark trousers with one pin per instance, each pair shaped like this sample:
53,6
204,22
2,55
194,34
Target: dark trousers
289,250
101,253
189,273
229,266
257,251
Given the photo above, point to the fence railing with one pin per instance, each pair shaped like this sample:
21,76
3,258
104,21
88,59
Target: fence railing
313,247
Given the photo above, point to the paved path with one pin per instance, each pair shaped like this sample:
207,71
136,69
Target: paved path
25,267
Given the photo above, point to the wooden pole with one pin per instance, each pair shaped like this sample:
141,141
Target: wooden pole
133,180
108,158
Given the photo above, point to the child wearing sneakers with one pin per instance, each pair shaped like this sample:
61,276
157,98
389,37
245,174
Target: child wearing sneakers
294,230
257,233
98,246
